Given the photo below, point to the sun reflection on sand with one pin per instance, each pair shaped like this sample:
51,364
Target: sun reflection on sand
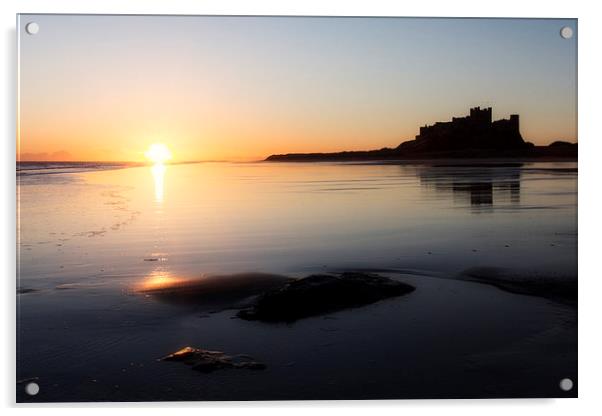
158,171
158,280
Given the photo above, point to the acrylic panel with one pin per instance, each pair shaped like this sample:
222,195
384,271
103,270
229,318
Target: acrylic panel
292,208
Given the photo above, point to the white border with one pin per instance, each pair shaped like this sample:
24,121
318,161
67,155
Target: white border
590,348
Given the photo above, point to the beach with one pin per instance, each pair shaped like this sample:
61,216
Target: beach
101,247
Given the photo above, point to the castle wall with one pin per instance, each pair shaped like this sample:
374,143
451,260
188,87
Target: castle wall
477,130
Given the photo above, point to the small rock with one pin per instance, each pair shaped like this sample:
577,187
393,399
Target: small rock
180,355
251,365
207,361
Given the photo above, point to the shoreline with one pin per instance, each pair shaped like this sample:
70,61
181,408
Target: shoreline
418,159
436,162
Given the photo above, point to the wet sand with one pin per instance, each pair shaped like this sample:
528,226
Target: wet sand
447,339
118,269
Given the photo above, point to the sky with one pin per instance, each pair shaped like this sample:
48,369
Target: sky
105,88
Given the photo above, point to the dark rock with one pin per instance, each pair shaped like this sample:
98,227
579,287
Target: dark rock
207,361
251,365
317,294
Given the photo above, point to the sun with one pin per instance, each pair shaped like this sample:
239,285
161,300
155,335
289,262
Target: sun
158,153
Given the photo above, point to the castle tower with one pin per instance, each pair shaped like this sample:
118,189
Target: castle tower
514,122
488,115
481,116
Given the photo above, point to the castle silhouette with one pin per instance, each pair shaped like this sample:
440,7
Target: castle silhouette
475,131
473,136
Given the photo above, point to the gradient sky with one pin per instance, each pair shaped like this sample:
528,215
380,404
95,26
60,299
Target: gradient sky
241,88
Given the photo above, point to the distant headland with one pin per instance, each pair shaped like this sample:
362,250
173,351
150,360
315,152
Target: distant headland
473,136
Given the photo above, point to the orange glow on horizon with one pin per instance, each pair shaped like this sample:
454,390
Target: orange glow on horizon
358,88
